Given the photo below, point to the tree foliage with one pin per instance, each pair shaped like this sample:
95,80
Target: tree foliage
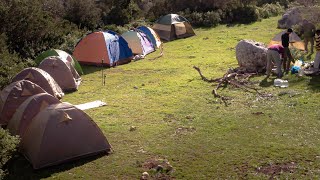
8,145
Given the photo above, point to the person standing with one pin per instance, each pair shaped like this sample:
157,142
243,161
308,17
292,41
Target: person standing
317,58
287,54
274,54
308,30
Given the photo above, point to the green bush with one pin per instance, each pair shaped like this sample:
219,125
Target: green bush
207,19
115,28
244,15
70,40
84,13
269,10
10,63
123,12
8,146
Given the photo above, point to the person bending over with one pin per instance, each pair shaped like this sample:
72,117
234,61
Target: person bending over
274,54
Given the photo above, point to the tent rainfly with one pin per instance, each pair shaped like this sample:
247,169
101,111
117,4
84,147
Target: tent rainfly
173,26
14,95
62,72
64,56
152,35
139,42
41,78
61,133
27,111
103,48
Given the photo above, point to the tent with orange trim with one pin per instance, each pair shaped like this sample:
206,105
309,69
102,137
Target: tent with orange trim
103,47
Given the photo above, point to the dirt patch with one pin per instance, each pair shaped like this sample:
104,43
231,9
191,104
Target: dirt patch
159,169
170,118
275,169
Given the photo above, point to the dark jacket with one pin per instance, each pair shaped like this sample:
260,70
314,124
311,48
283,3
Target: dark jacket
285,40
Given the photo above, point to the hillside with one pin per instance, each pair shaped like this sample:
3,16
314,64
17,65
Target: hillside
175,117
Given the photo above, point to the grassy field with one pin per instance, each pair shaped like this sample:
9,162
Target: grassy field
178,120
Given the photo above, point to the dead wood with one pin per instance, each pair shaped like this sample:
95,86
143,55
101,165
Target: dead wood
231,77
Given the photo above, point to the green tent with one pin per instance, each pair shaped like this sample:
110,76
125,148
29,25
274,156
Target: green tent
63,55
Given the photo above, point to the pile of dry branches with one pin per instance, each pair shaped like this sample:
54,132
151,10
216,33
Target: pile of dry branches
238,79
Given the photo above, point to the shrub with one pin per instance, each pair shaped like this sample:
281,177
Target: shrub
10,63
8,146
115,28
245,14
123,12
84,13
70,40
208,19
269,10
30,29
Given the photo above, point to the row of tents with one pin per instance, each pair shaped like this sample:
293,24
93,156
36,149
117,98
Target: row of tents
110,49
51,131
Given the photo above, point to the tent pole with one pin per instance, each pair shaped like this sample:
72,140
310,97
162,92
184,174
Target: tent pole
102,71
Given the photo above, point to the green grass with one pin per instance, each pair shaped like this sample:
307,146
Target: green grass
178,119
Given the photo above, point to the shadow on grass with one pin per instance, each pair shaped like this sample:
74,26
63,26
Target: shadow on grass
20,168
88,69
314,83
266,83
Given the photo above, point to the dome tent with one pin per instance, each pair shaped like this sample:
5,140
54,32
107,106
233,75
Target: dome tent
138,42
64,56
41,78
104,46
14,95
153,36
61,133
173,26
294,40
27,111
62,72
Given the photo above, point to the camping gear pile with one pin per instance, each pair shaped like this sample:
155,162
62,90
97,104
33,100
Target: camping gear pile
51,131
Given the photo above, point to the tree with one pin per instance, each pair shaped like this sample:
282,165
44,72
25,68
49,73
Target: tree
84,13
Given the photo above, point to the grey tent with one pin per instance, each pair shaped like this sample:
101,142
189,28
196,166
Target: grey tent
61,133
294,40
27,111
173,26
62,72
41,78
14,95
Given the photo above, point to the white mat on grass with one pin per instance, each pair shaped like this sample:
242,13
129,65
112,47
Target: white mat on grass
90,105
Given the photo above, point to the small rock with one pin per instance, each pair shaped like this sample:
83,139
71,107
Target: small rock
145,176
135,87
133,128
159,168
169,168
